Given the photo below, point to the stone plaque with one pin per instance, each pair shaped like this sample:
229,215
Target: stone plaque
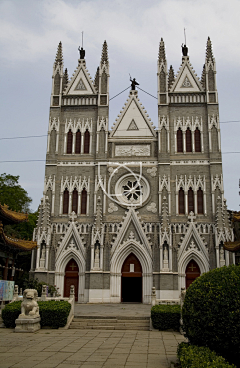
133,150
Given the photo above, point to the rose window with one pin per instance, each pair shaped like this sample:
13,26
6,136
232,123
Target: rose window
132,190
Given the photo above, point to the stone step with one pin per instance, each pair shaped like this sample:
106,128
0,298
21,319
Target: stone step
110,323
112,327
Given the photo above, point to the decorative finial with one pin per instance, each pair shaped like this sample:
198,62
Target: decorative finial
134,83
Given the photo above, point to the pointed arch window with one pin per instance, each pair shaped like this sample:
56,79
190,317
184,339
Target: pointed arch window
75,200
86,141
181,202
200,201
190,200
78,142
84,202
188,140
69,142
179,140
65,201
197,138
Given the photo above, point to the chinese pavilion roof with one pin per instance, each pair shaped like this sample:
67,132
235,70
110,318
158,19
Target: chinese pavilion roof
236,217
232,246
17,244
8,216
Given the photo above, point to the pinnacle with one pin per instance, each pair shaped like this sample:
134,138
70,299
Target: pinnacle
203,78
104,57
59,55
161,52
171,77
65,79
96,79
209,54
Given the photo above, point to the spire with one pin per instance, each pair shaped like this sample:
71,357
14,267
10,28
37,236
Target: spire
171,77
96,79
165,219
104,57
65,79
203,78
209,54
59,55
161,52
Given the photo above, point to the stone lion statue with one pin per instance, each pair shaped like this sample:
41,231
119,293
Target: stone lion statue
29,306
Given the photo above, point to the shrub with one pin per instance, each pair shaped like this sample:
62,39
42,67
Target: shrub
10,313
211,312
53,313
192,356
166,317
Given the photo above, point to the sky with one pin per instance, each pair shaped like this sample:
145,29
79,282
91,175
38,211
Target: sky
31,30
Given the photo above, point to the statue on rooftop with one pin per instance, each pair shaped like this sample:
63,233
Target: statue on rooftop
134,83
184,50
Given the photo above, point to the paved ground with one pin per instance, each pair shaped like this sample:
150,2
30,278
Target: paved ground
113,310
88,349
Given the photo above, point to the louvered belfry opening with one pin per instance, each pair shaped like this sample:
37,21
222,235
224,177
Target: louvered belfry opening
179,140
190,200
69,142
197,136
78,142
188,140
86,141
84,202
75,200
181,201
200,201
65,201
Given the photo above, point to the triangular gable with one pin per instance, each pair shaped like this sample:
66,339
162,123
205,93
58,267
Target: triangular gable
80,83
130,220
133,120
192,237
67,245
186,80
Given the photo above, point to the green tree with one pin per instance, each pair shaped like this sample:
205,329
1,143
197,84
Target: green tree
12,194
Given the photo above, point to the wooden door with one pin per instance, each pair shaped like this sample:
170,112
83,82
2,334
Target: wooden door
131,280
192,272
71,278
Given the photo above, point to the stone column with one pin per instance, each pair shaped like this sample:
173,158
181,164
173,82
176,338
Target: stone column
38,256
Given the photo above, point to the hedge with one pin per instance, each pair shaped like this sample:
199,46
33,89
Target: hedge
53,313
166,317
192,356
211,312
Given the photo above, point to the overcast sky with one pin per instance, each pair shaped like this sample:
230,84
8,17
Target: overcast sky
31,30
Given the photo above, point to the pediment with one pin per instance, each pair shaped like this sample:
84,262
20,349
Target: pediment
81,83
133,120
186,80
131,230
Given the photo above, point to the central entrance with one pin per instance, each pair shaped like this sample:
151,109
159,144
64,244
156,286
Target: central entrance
131,280
71,278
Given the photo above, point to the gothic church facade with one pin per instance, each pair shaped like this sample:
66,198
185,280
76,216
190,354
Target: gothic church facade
136,206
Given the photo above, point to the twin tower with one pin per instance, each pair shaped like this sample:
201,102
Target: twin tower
136,206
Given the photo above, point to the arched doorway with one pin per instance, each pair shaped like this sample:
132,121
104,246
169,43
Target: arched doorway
71,278
192,272
131,280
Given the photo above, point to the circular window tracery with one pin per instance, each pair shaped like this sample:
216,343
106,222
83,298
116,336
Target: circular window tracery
132,190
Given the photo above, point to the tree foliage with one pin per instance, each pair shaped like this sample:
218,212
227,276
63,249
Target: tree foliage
12,194
211,312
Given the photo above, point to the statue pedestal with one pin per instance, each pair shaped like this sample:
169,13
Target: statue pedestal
42,263
27,324
165,266
222,262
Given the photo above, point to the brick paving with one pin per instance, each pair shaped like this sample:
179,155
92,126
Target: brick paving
88,349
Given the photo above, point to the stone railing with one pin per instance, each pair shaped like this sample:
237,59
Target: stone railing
156,301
